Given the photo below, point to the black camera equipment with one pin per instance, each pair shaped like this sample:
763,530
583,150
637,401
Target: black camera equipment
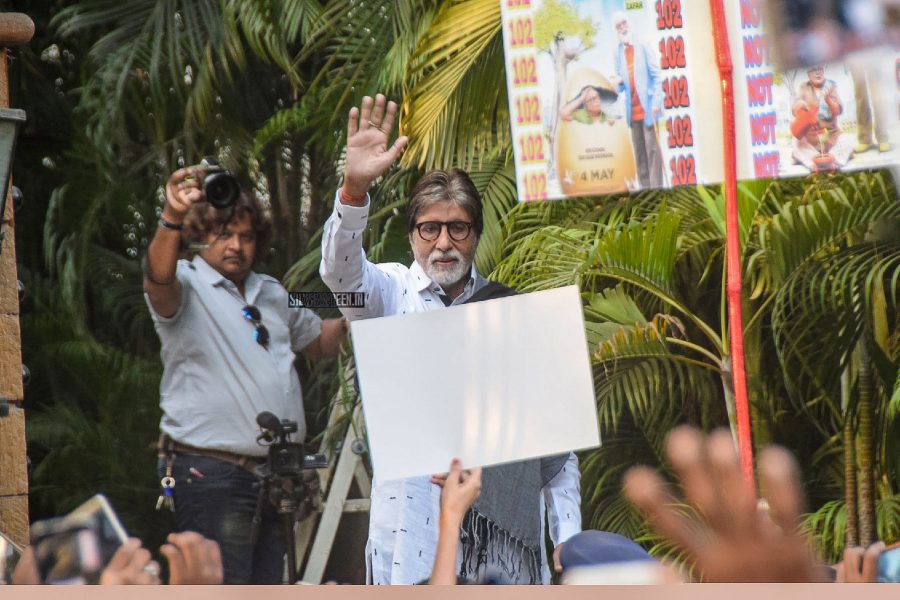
287,479
18,198
220,187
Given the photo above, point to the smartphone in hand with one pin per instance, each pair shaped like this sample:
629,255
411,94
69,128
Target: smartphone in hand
77,547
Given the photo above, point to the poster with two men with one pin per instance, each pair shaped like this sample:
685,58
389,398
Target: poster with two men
612,96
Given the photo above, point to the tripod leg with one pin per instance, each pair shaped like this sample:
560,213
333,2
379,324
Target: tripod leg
257,515
290,546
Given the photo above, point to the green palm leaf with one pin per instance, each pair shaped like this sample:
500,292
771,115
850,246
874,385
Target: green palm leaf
367,46
804,227
826,526
455,112
549,258
821,310
497,185
635,369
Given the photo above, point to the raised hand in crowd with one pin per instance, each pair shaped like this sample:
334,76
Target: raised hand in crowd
131,565
461,489
557,563
193,559
368,154
860,565
732,540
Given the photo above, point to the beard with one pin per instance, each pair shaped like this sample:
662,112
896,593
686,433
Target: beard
444,276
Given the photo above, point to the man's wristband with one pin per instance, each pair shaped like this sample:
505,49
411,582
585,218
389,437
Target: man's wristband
170,225
346,197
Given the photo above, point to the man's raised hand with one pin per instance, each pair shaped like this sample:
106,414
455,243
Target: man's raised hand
731,540
182,190
368,153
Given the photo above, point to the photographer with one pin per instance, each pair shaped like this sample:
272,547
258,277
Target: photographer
228,343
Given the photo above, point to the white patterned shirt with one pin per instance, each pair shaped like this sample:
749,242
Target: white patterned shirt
403,518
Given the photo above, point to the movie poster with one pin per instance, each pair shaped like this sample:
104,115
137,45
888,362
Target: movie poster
602,96
613,96
822,117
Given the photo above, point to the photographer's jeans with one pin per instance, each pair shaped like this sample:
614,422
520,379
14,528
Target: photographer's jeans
218,499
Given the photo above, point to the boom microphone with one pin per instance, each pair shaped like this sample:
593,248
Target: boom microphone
267,420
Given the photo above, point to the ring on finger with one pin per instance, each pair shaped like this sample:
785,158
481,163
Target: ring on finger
371,124
152,569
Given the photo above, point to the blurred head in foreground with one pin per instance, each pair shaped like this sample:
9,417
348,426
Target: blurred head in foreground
601,557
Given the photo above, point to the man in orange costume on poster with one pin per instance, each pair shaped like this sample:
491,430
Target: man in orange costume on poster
818,143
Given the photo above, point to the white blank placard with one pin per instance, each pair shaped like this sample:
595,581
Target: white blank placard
488,382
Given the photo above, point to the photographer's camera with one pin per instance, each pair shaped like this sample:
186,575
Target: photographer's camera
220,187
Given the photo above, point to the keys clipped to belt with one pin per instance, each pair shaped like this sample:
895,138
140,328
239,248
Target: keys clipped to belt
167,483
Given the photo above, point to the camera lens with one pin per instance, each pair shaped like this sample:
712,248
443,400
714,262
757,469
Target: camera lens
221,189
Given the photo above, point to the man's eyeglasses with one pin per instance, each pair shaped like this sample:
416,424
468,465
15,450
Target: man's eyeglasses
261,334
431,230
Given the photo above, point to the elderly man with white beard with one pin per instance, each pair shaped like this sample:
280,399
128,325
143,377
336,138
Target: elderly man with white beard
639,80
504,532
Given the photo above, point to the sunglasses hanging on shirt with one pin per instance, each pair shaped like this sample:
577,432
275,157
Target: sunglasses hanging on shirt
260,334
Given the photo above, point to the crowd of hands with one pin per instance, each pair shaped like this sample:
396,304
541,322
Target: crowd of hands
192,559
724,532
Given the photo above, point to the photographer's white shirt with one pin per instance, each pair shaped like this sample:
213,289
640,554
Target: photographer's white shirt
403,519
216,377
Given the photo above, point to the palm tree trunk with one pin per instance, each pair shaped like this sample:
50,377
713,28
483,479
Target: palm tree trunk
865,450
283,192
851,533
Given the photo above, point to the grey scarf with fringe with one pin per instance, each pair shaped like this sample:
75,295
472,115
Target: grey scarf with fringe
502,531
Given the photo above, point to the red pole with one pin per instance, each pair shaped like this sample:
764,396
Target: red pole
733,243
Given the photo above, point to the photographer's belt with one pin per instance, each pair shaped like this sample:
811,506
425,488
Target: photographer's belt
169,447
